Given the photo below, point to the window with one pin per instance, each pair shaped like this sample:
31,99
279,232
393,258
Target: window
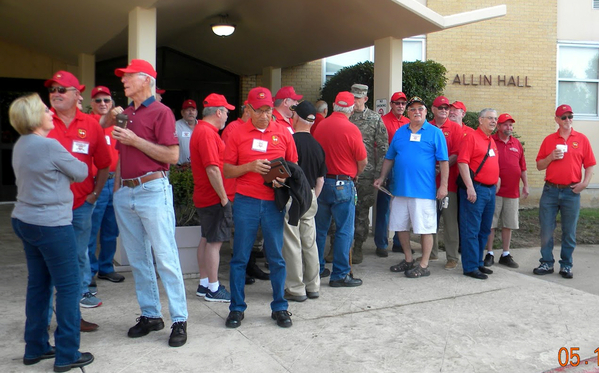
595,4
413,49
578,78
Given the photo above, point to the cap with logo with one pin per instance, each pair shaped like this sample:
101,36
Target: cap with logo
259,96
505,117
188,104
100,89
459,105
137,66
216,100
441,100
287,92
305,110
359,90
415,100
344,99
563,109
398,95
65,79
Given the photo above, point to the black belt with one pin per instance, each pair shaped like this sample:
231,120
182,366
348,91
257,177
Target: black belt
111,175
559,186
132,183
339,177
481,184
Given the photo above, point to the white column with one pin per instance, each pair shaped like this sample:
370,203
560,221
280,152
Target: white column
142,35
271,78
388,59
87,75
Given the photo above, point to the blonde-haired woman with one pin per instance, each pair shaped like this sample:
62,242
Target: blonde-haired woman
42,220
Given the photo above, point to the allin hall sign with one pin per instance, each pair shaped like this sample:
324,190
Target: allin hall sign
490,80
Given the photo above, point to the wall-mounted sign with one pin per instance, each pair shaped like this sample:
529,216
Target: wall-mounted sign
490,80
381,106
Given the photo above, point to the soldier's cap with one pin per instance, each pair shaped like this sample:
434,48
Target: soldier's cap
259,97
459,105
415,100
216,100
441,100
100,89
505,117
65,79
359,90
398,95
188,104
305,110
563,109
287,92
344,99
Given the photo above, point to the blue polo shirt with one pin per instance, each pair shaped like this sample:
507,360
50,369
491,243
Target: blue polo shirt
415,158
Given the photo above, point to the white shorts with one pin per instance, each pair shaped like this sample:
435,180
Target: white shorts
416,213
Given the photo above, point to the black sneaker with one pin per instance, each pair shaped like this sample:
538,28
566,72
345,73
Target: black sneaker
283,318
489,260
566,272
508,260
543,269
178,334
145,325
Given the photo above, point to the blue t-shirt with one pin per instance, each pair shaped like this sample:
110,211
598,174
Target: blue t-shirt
415,158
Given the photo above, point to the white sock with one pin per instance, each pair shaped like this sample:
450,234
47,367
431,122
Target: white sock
490,252
505,253
204,282
213,286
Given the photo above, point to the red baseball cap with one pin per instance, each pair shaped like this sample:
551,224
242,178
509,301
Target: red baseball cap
160,91
344,99
137,66
259,97
189,103
505,117
100,89
459,105
287,92
397,95
216,100
563,109
65,79
441,100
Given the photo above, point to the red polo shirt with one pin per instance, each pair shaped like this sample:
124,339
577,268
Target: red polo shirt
467,130
247,143
230,184
454,134
392,123
319,118
206,149
230,128
342,143
84,139
111,142
281,120
567,170
511,165
154,122
472,152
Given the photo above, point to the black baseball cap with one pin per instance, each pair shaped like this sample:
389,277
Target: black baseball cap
305,110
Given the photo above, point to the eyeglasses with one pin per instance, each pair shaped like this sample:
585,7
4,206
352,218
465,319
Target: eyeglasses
61,90
413,109
261,112
564,117
99,100
402,103
492,119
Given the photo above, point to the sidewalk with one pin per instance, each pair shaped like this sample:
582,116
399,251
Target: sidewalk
513,322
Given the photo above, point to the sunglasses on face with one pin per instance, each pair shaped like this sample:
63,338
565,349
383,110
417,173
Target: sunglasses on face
99,100
61,90
564,117
402,103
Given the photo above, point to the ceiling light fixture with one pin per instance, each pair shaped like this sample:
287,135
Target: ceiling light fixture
223,28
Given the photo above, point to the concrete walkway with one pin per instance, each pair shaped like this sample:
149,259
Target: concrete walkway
512,322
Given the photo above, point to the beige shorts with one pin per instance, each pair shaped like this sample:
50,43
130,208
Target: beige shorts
416,213
506,213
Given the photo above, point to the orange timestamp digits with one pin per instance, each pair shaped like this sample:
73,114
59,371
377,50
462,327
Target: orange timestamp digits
570,356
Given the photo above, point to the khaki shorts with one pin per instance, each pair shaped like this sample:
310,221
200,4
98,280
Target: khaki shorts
416,213
506,213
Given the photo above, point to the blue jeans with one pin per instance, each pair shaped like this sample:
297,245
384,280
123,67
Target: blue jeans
381,227
475,225
103,221
336,202
249,214
82,225
146,220
51,260
568,204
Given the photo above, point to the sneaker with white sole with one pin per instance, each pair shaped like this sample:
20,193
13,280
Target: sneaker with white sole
202,291
221,295
90,301
543,269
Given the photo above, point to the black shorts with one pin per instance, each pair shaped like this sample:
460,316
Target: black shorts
216,222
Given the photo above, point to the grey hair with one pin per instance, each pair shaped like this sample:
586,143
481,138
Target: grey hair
279,102
152,80
321,106
484,111
344,110
211,110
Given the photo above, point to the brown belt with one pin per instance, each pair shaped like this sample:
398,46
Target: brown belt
339,177
111,175
132,183
559,186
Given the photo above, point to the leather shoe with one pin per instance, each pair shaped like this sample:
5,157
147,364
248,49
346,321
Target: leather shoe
312,294
325,273
85,359
485,270
476,274
347,281
249,279
145,325
397,249
112,277
382,253
254,271
283,318
50,354
87,327
178,334
234,319
295,298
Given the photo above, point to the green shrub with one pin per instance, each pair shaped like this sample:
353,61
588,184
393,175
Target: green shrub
181,179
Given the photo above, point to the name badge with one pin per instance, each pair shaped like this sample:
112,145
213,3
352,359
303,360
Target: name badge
491,153
260,145
186,134
107,139
415,137
80,147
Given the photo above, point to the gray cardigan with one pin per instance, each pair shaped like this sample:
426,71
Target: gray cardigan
44,171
